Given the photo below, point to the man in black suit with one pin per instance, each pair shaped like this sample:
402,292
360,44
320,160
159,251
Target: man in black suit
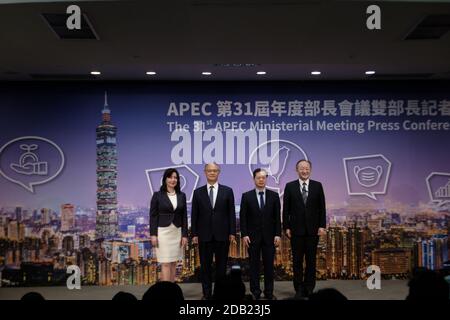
213,222
261,231
304,220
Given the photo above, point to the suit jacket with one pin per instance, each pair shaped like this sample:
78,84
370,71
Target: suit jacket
218,222
260,224
301,219
162,213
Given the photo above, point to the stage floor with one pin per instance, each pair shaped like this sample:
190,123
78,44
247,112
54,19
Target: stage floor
352,289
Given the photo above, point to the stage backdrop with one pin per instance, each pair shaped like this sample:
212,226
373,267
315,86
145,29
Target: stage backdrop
79,163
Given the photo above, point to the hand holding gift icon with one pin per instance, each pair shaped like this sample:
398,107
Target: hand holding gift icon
29,163
21,161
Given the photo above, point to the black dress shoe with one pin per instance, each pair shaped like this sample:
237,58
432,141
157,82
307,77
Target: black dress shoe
206,298
308,292
270,296
299,295
256,296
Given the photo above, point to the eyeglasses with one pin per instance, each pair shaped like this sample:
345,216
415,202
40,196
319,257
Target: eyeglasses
212,171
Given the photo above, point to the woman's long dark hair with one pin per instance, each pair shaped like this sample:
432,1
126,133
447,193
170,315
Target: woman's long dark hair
166,175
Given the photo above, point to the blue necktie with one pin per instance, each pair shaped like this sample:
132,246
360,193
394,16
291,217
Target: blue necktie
261,200
211,195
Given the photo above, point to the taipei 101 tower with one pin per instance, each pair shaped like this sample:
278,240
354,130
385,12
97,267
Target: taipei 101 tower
107,217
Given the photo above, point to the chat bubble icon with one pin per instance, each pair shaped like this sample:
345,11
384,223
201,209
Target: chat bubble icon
188,179
30,161
438,184
278,157
367,175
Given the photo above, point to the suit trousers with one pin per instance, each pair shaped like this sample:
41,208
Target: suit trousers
304,248
208,249
255,250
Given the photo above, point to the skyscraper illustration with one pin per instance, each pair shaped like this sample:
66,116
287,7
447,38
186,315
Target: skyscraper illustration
107,216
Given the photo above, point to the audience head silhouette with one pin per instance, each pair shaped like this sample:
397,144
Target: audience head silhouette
328,294
124,296
427,285
229,288
32,296
164,291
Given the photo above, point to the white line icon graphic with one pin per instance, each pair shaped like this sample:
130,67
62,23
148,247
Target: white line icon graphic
29,163
183,180
367,175
438,185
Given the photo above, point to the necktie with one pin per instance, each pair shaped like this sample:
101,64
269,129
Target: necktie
304,193
211,195
261,200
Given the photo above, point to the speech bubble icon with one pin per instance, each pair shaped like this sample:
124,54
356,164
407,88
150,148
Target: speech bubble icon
279,158
367,175
188,179
438,184
30,161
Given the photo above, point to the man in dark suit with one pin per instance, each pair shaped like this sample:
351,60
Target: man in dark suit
304,220
261,231
213,222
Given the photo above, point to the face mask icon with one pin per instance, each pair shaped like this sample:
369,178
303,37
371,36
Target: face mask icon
368,176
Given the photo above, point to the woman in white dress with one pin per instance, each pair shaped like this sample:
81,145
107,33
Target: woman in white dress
168,224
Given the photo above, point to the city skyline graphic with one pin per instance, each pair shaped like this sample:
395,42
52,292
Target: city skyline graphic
379,209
